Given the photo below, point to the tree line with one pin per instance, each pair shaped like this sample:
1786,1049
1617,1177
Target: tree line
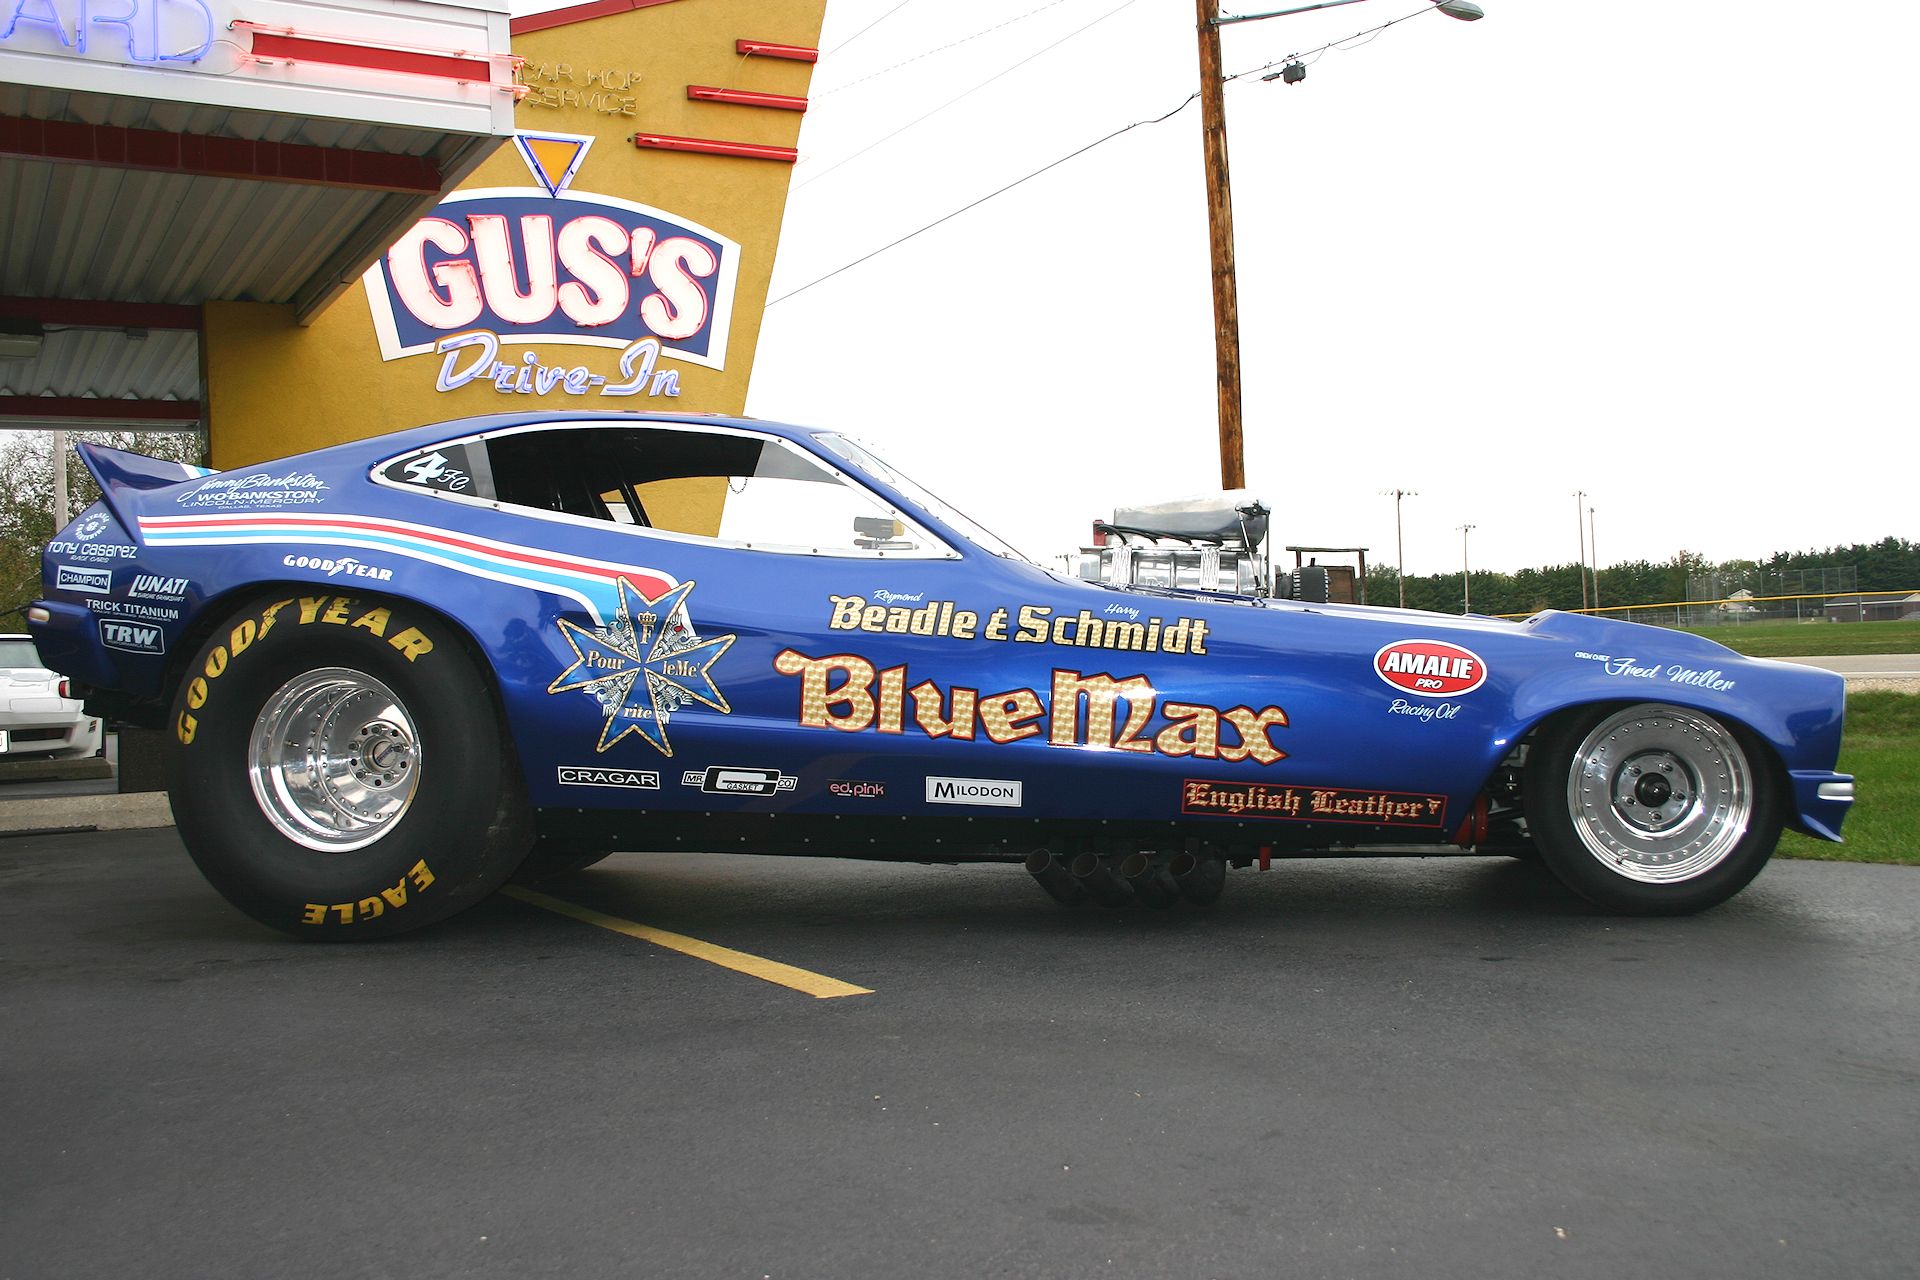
1891,564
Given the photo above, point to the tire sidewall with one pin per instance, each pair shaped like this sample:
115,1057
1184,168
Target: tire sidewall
458,839
1568,857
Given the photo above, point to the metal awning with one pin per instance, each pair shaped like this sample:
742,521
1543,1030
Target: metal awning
273,167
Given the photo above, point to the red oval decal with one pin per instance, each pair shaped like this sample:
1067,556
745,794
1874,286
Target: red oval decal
1430,668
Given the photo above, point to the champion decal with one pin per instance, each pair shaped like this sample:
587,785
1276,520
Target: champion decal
593,583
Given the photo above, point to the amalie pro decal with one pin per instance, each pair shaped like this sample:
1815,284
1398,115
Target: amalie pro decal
1430,668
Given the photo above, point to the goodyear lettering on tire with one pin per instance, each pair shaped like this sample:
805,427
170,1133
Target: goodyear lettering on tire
300,611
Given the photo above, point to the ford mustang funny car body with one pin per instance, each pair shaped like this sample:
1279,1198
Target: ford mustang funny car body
397,672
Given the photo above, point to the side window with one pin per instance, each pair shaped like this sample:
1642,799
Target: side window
735,488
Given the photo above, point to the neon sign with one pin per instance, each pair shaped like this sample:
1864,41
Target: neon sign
567,267
153,31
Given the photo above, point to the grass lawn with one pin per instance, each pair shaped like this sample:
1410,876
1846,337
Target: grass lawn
1813,639
1881,749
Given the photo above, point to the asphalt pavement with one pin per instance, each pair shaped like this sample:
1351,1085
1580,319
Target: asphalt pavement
1429,1069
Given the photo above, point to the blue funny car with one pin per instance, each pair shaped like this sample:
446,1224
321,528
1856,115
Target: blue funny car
395,673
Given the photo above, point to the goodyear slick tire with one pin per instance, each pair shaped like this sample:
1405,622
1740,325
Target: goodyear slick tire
387,700
1649,809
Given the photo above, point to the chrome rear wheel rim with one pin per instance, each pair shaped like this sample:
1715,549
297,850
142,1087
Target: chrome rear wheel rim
1660,794
334,759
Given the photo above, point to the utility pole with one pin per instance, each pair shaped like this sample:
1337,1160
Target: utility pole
1226,303
1466,582
1579,525
1399,543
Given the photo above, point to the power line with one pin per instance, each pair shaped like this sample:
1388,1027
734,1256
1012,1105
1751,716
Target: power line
958,97
870,26
1239,75
983,199
955,44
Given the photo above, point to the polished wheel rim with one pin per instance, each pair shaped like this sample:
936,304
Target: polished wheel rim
334,759
1660,794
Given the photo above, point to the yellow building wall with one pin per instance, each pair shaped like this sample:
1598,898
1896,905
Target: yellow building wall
273,387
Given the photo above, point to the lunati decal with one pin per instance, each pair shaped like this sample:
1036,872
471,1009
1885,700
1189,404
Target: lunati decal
1312,804
847,693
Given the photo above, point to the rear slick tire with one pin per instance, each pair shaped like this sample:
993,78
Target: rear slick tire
339,770
1651,809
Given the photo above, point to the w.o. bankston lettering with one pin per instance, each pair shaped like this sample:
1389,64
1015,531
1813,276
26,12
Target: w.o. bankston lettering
997,792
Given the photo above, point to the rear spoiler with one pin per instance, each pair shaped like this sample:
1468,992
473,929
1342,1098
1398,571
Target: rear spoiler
122,474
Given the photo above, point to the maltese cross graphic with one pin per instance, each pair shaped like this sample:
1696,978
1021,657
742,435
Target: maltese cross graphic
644,665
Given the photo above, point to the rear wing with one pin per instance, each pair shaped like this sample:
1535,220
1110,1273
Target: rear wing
122,474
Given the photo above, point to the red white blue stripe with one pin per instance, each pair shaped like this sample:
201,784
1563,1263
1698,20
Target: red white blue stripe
593,583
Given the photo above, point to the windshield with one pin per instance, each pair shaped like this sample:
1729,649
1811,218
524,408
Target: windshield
860,455
18,651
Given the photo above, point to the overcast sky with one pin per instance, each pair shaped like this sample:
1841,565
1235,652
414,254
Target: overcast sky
1661,253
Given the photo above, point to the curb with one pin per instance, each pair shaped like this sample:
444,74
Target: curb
87,813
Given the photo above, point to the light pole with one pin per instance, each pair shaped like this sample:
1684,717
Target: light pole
1399,543
1466,582
1213,142
1579,497
1593,549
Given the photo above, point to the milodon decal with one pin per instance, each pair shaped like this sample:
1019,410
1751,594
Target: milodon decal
846,692
592,583
417,878
1298,803
997,793
1430,668
1019,624
650,637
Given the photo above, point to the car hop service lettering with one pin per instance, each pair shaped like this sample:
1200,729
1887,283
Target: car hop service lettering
844,691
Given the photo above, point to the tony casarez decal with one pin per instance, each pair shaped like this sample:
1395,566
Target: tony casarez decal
1312,804
1430,668
572,268
846,692
650,638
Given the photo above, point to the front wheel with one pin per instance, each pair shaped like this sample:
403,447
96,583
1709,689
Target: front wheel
339,770
1651,809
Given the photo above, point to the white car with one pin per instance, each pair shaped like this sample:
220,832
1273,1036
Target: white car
37,715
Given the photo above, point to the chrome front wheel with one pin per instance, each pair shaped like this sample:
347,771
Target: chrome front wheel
1651,809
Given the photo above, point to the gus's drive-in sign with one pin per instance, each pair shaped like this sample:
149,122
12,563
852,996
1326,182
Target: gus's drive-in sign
496,268
615,255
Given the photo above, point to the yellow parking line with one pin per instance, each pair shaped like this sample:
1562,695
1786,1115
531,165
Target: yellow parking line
817,985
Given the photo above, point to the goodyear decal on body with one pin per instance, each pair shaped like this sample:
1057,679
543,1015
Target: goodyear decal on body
592,583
